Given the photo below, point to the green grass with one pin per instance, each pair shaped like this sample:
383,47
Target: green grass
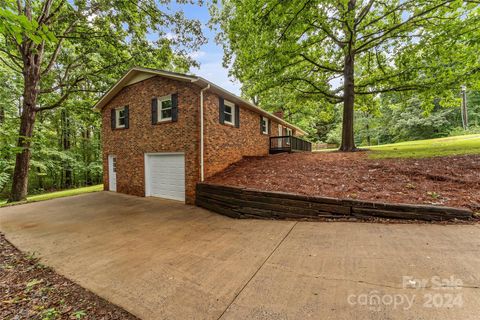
57,194
459,145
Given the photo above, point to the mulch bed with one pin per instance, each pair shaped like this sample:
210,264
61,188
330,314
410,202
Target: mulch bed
30,290
448,181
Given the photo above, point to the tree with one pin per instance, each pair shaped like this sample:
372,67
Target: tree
339,49
63,48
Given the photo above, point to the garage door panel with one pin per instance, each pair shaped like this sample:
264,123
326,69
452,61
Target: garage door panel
166,176
158,188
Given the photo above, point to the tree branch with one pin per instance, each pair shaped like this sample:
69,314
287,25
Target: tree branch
292,20
401,5
12,57
8,65
56,52
363,13
396,89
45,12
330,99
340,43
396,27
327,68
56,104
317,89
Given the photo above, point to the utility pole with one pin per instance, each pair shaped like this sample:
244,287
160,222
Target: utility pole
464,107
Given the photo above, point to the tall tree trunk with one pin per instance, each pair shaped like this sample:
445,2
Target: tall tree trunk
348,142
66,144
87,154
369,139
27,121
32,60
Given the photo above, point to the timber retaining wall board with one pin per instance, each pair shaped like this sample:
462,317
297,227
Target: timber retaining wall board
237,202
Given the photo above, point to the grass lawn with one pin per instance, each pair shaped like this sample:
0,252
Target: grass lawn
449,146
57,194
468,144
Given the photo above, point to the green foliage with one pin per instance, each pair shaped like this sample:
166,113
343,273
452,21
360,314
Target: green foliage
334,136
19,27
31,284
82,48
80,314
395,117
459,131
50,314
300,47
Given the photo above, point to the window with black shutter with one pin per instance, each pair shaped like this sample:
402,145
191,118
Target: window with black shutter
174,107
154,110
229,113
165,109
264,125
221,110
237,116
112,118
120,118
127,117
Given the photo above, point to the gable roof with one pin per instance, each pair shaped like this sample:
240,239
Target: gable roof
137,74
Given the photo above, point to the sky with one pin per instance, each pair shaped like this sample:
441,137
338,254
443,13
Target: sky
210,55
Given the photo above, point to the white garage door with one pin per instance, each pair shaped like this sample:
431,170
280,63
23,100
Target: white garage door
165,176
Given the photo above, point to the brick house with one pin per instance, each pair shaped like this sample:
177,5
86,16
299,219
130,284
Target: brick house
163,132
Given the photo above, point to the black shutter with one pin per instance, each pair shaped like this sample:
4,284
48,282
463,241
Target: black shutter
154,110
237,116
269,125
261,124
112,118
221,110
174,107
126,117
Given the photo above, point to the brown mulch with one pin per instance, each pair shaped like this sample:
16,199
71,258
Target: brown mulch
30,290
449,181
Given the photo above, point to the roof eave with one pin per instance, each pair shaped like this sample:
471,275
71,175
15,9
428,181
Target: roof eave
128,75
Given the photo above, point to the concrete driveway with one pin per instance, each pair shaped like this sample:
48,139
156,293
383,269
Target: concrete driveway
161,259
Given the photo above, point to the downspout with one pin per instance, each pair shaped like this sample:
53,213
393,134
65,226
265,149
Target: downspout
202,170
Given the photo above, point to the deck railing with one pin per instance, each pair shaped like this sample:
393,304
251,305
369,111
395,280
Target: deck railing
289,144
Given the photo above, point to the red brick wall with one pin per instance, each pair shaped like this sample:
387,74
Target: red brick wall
224,144
130,145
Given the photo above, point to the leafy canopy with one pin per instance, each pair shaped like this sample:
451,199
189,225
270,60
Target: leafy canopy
301,46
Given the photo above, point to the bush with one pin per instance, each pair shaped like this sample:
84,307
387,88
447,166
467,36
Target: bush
459,131
335,135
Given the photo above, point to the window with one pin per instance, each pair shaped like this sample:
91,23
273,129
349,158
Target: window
264,125
120,116
229,112
165,108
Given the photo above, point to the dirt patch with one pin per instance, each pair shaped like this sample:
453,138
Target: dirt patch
30,290
449,181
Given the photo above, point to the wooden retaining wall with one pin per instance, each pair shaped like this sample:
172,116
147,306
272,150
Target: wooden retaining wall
238,202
